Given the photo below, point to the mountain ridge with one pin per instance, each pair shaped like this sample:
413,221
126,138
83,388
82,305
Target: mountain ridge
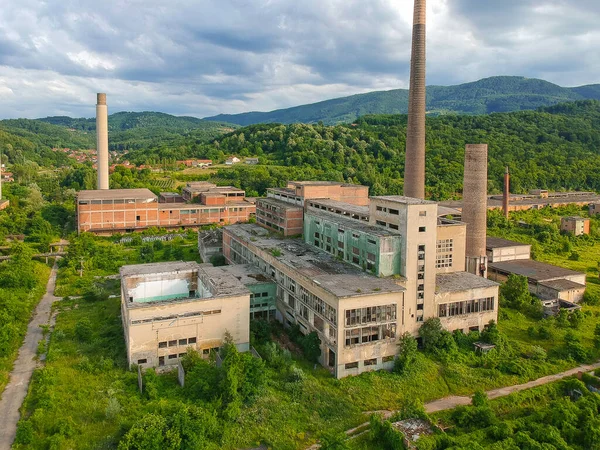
485,96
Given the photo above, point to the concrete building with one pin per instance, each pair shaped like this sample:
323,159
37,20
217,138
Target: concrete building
126,210
279,216
232,160
297,192
210,194
399,254
169,307
210,243
466,301
575,225
499,250
355,315
523,202
263,289
102,141
545,280
594,208
251,161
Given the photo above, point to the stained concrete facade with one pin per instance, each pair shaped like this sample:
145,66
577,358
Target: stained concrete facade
499,250
210,243
594,208
122,210
373,249
279,216
416,221
168,308
578,226
297,192
450,246
465,301
327,296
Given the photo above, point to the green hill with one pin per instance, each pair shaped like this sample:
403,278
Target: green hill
490,95
556,148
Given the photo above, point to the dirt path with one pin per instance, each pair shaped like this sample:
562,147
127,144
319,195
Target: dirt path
451,402
16,390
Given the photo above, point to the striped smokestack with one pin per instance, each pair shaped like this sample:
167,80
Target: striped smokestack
506,196
414,171
102,141
474,212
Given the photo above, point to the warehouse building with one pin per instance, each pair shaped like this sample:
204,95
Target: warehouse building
499,250
168,308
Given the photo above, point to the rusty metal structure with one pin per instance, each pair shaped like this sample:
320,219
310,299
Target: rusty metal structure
506,196
474,212
414,172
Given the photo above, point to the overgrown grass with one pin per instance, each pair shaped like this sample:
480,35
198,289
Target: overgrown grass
17,305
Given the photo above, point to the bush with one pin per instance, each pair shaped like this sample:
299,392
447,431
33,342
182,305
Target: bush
334,441
218,260
83,330
383,433
24,432
479,398
407,354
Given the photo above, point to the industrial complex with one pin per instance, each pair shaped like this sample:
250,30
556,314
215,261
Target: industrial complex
325,257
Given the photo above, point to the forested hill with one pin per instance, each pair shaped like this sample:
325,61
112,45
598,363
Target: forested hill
496,94
123,121
127,131
555,148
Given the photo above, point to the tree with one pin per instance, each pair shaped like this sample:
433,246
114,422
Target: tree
407,355
431,333
334,441
515,291
150,433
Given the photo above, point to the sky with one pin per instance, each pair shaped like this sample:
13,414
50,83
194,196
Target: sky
205,57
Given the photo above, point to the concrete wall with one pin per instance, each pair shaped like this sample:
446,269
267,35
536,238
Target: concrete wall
466,322
417,224
577,227
456,233
330,329
570,295
509,253
215,317
379,255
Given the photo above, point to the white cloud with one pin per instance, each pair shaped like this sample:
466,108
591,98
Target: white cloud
231,56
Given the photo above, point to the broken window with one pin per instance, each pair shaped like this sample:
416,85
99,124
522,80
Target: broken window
162,344
173,343
182,341
192,340
142,361
370,362
352,365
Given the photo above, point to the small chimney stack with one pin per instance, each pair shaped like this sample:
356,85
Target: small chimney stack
102,141
506,196
474,212
414,167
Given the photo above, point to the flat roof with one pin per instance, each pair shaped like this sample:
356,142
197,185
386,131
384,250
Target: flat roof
531,200
324,183
575,218
534,270
179,205
339,278
494,242
404,200
352,224
447,211
247,274
349,207
160,267
562,285
116,194
278,203
460,281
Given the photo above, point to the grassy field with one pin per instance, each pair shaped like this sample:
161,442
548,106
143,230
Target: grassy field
18,305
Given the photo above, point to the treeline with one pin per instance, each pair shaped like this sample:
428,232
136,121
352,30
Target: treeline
554,148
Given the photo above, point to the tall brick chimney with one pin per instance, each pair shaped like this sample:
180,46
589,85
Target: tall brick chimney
414,171
474,212
102,141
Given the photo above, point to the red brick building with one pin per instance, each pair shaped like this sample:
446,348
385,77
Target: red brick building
124,210
280,216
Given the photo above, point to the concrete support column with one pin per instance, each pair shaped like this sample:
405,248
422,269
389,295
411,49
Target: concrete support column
506,196
102,141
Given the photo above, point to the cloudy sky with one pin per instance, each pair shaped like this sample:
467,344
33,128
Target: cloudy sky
204,57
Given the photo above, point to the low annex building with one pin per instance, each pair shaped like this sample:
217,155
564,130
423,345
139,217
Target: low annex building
125,210
169,307
499,250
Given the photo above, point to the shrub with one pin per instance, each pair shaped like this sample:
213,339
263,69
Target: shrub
113,409
479,399
334,441
407,354
218,260
24,432
83,330
383,433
